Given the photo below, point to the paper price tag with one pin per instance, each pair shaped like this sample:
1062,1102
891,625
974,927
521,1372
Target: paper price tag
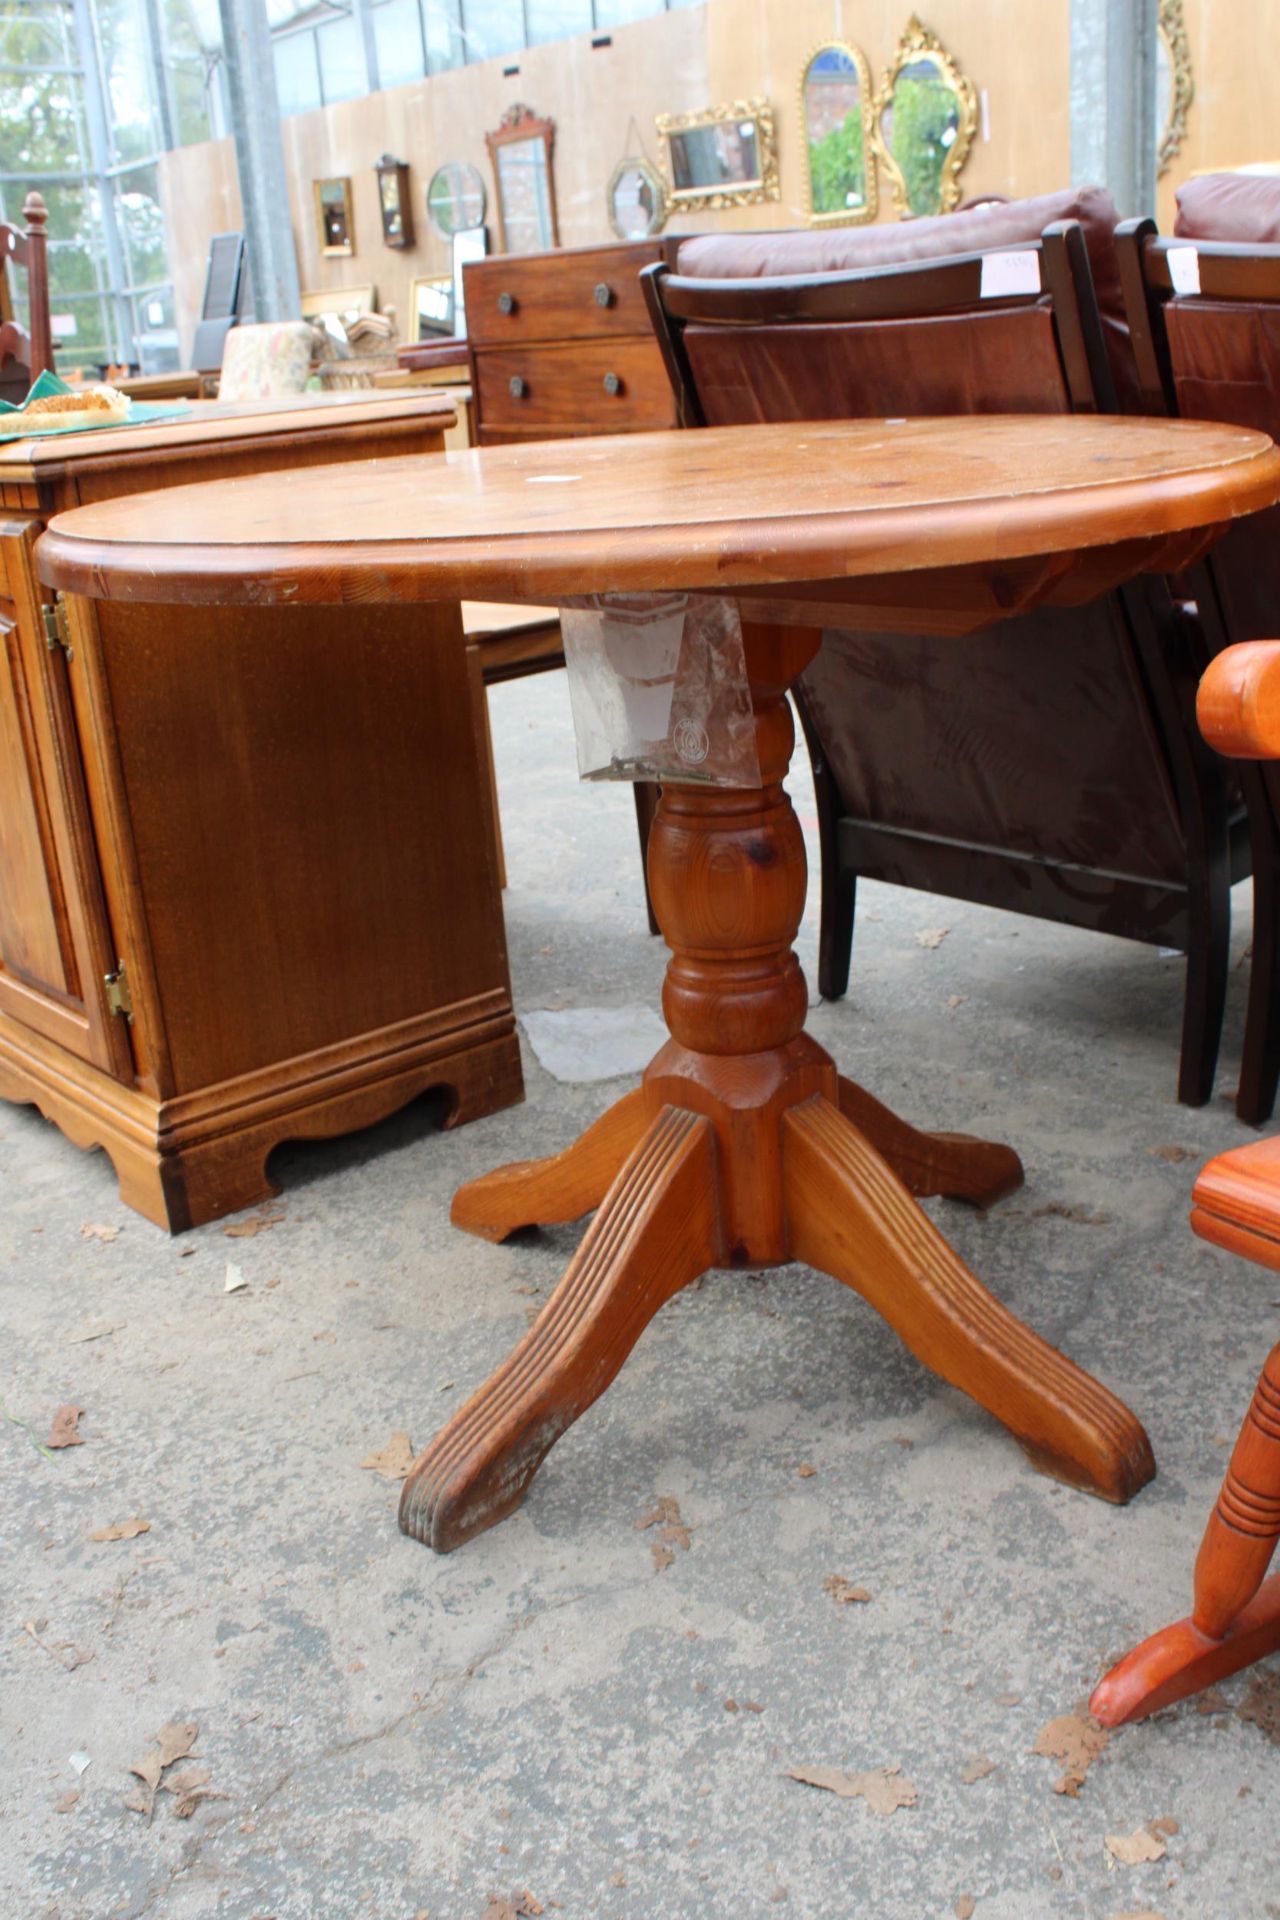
1005,273
1184,269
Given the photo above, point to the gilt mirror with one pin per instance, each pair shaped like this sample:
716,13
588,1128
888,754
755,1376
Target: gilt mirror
637,200
719,157
520,153
335,228
926,114
835,111
1175,86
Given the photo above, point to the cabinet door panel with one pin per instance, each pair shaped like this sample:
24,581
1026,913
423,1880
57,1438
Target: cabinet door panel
35,942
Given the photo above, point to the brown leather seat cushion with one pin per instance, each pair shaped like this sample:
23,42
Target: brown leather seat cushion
751,256
1230,206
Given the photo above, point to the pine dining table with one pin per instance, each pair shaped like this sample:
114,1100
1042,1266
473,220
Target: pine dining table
743,1146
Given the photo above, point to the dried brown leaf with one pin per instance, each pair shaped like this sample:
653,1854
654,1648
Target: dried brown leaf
1261,1705
394,1460
663,1556
186,1806
884,1789
1166,1826
67,1800
666,1513
964,1906
62,1429
806,1470
1075,1738
121,1530
976,1769
1081,1215
1212,1701
527,1905
1174,1155
843,1591
260,1223
932,936
1135,1849
93,1230
188,1780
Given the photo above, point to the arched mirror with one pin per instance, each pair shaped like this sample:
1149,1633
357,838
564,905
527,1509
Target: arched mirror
926,113
835,111
1175,86
520,151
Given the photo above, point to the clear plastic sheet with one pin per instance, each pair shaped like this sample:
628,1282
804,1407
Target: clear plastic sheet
658,685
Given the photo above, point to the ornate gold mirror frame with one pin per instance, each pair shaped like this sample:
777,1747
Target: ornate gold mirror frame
1171,27
920,48
734,129
829,161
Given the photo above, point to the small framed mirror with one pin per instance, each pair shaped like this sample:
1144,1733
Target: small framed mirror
394,203
637,200
431,308
926,114
520,153
720,157
335,227
1175,83
835,112
456,199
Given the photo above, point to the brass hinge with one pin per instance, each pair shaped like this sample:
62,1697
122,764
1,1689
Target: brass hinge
56,632
119,999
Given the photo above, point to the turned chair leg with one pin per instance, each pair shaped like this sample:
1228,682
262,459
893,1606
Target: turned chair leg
849,1216
657,1230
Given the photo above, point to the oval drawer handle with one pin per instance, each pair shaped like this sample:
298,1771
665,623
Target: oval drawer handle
604,294
516,387
506,303
613,383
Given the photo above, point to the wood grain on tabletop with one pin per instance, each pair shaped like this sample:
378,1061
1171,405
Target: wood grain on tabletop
728,507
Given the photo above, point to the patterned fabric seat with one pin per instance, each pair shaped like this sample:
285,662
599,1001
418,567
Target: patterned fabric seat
263,362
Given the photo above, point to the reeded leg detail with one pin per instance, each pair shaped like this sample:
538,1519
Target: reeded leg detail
534,1193
958,1166
657,1229
1236,1619
849,1215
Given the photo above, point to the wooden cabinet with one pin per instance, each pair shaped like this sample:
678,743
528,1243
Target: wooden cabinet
248,884
561,344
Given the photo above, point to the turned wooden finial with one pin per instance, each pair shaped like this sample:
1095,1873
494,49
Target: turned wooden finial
34,210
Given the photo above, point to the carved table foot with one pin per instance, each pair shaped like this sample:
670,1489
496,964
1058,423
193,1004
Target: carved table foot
656,1231
850,1216
956,1165
542,1193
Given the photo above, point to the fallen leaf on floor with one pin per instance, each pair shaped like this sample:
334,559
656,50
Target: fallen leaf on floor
1261,1704
673,1532
62,1430
67,1800
1211,1701
121,1530
92,1230
956,999
527,1905
964,1906
1174,1155
1219,1439
805,1471
330,1339
663,1557
883,1789
394,1460
92,1330
235,1280
65,1652
1008,1699
746,1706
1135,1849
1081,1215
976,1769
173,1742
1075,1738
932,936
1165,1826
843,1591
259,1223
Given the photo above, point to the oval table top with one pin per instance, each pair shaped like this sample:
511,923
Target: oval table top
717,509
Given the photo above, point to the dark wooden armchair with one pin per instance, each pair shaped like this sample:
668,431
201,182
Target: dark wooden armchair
1214,354
23,355
1049,765
1236,1204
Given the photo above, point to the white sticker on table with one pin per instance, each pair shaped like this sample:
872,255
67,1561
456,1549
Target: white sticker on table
1184,269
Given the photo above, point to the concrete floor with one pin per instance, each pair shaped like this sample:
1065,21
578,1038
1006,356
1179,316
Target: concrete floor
395,1734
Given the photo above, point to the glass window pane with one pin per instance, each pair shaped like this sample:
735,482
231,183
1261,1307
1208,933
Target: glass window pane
82,335
397,34
297,73
492,27
616,13
41,123
443,31
155,331
141,223
557,19
191,41
129,76
342,69
32,36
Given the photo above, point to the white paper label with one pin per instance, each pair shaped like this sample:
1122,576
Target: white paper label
63,326
1184,269
1005,273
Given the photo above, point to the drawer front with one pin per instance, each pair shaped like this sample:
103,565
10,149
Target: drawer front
599,387
564,296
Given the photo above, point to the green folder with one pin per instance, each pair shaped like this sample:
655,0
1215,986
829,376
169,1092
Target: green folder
141,413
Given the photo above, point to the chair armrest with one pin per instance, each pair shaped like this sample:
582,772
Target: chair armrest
1238,705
